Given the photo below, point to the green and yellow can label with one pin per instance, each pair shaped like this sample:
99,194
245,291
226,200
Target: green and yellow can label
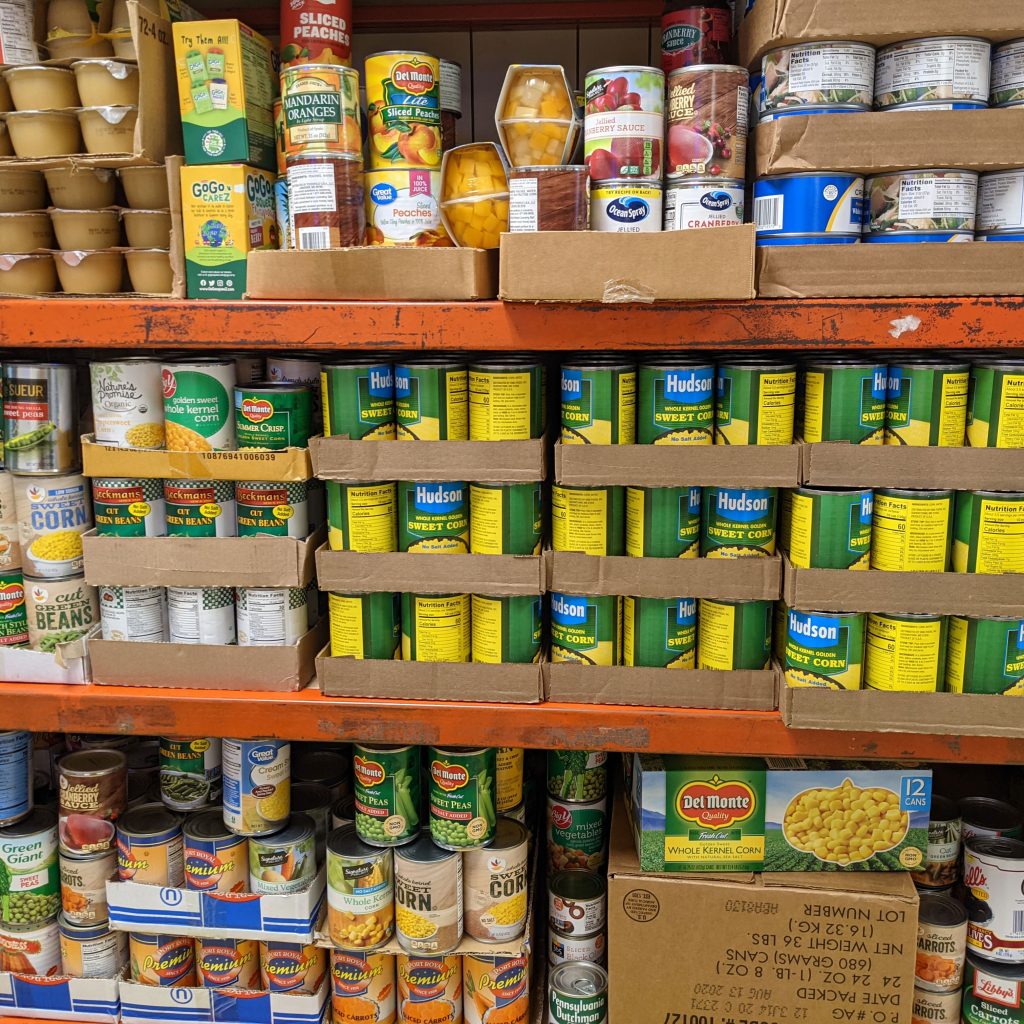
436,627
586,630
985,656
508,788
362,516
198,405
905,652
129,508
365,625
827,529
911,530
587,519
824,649
275,509
432,401
359,400
739,523
505,519
200,508
462,789
988,532
659,633
754,403
433,518
734,635
599,404
386,789
507,630
663,522
13,614
277,416
506,401
675,404
845,402
995,408
926,405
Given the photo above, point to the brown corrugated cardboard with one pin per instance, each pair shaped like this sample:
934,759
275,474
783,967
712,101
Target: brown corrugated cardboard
728,579
260,561
924,593
767,946
208,666
954,714
873,269
177,254
245,464
502,462
374,272
353,572
661,687
649,465
424,680
609,267
971,469
980,140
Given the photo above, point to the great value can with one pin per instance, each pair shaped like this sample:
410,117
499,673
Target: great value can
844,400
429,988
598,402
129,507
659,632
163,961
588,519
941,867
53,513
133,613
190,772
577,903
818,73
496,886
505,519
40,418
627,205
228,963
272,509
675,402
624,122
704,203
498,988
433,518
462,785
359,400
994,881
387,793
150,847
824,649
506,400
576,834
951,69
586,630
320,108
127,403
432,400
663,522
91,950
216,859
809,208
905,652
28,854
200,508
734,635
83,885
992,991
403,109
506,629
911,530
403,207
926,403
988,532
921,206
428,896
273,415
284,862
257,775
578,992
755,402
362,984
827,529
995,404
1008,74
365,625
198,406
985,655
941,944
292,967
739,523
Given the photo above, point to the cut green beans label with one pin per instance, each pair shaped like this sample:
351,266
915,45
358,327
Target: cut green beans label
387,794
462,814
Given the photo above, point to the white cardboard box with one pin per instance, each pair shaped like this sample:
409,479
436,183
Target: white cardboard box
146,1004
69,663
84,999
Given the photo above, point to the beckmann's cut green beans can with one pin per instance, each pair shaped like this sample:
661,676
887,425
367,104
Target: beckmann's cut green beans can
739,523
926,404
905,652
432,400
462,783
734,635
754,402
129,508
911,531
985,656
827,529
659,632
988,532
675,402
824,649
359,400
198,404
588,519
599,402
361,516
275,509
386,781
506,400
273,415
506,629
663,522
200,508
586,630
844,400
995,406
505,519
433,518
436,627
365,625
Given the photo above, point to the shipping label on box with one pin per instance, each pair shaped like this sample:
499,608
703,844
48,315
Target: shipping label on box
147,1003
87,999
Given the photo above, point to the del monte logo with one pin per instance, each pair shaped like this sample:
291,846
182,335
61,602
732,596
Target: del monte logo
448,777
368,773
256,410
11,596
413,77
714,803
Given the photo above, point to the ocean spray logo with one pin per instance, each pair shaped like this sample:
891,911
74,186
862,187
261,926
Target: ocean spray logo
716,201
628,210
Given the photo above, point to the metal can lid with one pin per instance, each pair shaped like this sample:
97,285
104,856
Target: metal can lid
92,762
577,885
345,842
987,812
40,819
579,978
299,829
324,767
274,385
509,833
309,796
208,824
1011,972
148,820
81,932
996,846
941,910
423,850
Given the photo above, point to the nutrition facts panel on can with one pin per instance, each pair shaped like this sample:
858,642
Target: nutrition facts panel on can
936,197
829,67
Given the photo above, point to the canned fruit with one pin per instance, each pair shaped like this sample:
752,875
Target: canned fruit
927,200
320,108
325,200
818,73
462,791
624,122
256,779
707,110
29,869
627,205
403,207
549,198
475,195
536,115
691,33
704,204
387,794
319,33
942,68
403,110
91,796
127,403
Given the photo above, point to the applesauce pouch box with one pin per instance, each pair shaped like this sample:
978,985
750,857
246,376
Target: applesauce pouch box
227,211
227,83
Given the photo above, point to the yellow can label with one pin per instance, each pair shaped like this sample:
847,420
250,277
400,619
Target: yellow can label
956,653
903,655
801,518
487,631
579,520
441,626
910,534
1010,433
346,617
1000,540
778,396
509,778
716,636
500,406
369,519
486,517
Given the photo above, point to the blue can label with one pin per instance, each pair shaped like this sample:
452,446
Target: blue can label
920,236
809,204
15,775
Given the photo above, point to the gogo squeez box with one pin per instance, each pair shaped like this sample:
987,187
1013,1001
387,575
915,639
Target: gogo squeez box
746,814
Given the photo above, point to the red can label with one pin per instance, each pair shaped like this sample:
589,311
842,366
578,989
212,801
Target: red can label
316,32
695,35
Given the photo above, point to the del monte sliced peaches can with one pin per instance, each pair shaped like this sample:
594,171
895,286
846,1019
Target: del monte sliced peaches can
403,106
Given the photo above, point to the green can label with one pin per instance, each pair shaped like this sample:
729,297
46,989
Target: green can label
926,405
433,518
30,872
734,636
506,401
432,402
824,650
275,509
386,784
436,627
462,814
505,519
988,532
129,508
362,517
588,519
13,615
577,834
843,402
273,418
754,404
507,630
739,523
827,529
200,508
365,625
993,993
359,400
574,1009
663,522
995,407
198,406
676,404
599,404
190,772
659,633
586,630
580,776
985,656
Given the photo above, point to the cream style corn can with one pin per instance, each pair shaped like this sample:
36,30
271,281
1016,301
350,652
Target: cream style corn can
257,786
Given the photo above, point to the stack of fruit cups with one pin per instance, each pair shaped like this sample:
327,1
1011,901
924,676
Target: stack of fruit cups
474,195
536,115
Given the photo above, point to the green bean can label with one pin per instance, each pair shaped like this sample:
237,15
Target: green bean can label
13,617
824,650
275,417
506,630
129,508
845,403
829,529
200,508
579,776
29,869
274,509
985,656
365,625
386,781
359,400
663,522
988,532
993,993
926,405
462,791
198,407
433,517
577,834
755,404
599,404
734,636
739,523
505,519
361,517
586,630
675,404
190,772
995,414
659,633
432,402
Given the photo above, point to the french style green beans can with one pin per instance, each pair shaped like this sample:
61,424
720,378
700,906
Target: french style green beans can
462,812
387,794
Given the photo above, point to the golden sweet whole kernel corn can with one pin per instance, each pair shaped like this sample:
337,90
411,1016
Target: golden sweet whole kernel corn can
905,652
198,405
586,630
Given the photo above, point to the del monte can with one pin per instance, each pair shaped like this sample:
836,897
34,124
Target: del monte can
273,415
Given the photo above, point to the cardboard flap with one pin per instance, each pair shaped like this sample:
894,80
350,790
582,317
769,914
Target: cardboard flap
158,129
648,465
353,572
853,884
728,579
612,267
501,462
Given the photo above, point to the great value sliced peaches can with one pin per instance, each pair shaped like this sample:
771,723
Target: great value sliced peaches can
403,106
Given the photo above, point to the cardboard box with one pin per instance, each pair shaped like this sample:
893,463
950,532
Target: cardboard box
501,462
385,273
85,999
259,561
873,269
155,910
758,947
208,666
67,665
728,814
245,464
143,1004
662,687
650,465
609,267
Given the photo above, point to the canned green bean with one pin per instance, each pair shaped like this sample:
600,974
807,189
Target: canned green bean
734,635
995,404
133,613
129,508
506,630
844,400
506,400
988,532
825,649
588,519
198,406
13,615
905,652
273,415
433,518
271,616
273,509
201,615
911,530
586,630
675,402
739,523
432,400
926,404
659,633
663,522
387,793
190,772
985,655
462,785
599,402
200,508
827,529
359,400
505,519
436,627
754,402
365,625
361,516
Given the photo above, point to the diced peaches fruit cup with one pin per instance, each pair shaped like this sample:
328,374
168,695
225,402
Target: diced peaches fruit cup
537,121
474,195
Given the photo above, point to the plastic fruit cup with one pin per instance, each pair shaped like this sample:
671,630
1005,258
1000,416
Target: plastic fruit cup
41,88
81,188
44,132
21,190
147,229
90,273
531,143
25,232
536,115
124,46
476,169
6,149
477,223
74,47
27,275
145,187
6,103
149,270
106,82
108,129
74,17
86,229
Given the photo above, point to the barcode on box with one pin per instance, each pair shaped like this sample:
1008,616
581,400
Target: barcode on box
768,213
314,238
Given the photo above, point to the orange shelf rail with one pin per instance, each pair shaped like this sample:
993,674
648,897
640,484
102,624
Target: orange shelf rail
808,324
308,715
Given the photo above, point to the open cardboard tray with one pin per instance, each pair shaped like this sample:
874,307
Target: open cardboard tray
386,273
503,462
208,666
144,1004
649,465
613,267
67,665
59,998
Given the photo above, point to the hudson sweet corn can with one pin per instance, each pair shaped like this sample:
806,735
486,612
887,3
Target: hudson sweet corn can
362,516
844,400
507,629
436,627
995,408
755,402
926,404
432,400
505,519
985,655
905,652
675,402
734,635
586,630
739,523
359,400
433,518
911,531
506,400
989,532
663,522
659,632
588,519
598,402
365,625
824,649
827,529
